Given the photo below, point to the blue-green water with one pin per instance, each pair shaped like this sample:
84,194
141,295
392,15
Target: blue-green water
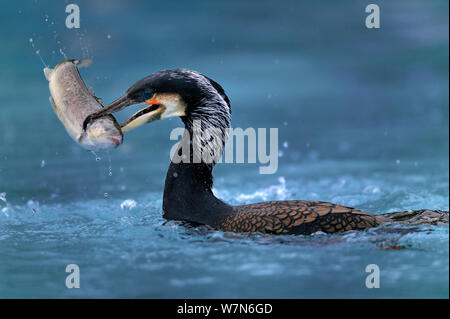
364,114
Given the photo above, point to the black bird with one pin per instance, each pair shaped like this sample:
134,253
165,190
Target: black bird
198,100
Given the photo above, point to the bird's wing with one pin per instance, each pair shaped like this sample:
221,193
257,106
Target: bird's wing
296,217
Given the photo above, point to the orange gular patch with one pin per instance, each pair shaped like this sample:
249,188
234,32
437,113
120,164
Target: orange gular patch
153,101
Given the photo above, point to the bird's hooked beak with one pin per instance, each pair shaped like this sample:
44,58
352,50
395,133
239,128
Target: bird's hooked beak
152,112
158,107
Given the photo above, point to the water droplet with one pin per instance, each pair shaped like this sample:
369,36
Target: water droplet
63,53
43,163
106,195
108,36
285,144
285,123
97,158
31,40
110,165
175,174
397,161
34,206
280,153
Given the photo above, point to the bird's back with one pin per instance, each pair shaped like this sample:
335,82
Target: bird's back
296,217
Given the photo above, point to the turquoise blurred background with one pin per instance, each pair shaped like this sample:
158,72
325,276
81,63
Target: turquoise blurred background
363,120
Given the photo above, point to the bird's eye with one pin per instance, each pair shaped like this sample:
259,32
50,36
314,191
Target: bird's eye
147,94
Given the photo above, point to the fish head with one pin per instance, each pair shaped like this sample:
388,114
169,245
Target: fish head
102,133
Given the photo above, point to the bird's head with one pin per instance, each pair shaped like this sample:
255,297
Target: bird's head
184,93
200,102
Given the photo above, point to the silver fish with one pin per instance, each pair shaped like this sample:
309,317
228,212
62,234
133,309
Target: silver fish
72,102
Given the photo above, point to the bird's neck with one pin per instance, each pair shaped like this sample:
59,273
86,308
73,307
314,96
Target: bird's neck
187,191
188,195
188,188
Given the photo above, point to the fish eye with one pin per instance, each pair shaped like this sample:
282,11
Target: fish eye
147,94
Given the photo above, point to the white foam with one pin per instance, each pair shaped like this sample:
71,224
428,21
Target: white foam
128,204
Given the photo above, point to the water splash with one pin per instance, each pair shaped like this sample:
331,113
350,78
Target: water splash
128,204
7,206
279,192
37,51
110,173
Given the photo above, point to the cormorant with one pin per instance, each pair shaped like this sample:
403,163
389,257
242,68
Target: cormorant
187,193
